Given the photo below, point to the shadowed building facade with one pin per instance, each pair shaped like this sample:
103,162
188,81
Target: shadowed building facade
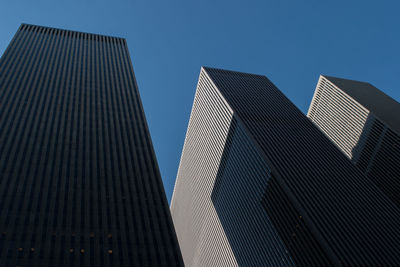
259,185
80,184
364,123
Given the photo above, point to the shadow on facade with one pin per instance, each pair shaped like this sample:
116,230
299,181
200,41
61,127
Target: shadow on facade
257,217
377,155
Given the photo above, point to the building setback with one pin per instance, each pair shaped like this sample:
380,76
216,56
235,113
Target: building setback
365,124
259,185
80,185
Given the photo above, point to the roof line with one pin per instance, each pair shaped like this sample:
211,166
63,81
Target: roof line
61,29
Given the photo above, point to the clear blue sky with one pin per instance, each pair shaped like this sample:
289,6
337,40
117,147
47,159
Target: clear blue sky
291,42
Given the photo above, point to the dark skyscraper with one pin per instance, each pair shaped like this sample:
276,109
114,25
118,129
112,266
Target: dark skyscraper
260,185
365,124
80,185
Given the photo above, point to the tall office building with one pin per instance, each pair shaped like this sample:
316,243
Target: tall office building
80,185
259,185
365,124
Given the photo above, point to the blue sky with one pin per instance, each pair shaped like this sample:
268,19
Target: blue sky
291,42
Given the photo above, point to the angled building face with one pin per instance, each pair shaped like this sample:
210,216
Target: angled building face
259,185
365,124
80,185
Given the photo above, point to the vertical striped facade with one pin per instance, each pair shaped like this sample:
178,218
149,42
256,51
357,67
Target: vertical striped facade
79,181
259,185
365,124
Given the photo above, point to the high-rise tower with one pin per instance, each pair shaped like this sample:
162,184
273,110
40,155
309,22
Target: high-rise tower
364,123
259,185
80,185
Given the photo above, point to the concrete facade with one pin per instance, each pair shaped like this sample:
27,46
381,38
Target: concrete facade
365,124
259,185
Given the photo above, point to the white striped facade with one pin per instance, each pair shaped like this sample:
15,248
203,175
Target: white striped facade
201,230
260,185
338,115
369,141
194,214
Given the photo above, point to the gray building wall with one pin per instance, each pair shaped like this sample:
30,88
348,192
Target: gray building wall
259,185
80,185
213,181
365,124
197,218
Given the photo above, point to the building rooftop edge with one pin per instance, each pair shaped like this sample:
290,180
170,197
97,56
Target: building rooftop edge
376,101
206,68
61,29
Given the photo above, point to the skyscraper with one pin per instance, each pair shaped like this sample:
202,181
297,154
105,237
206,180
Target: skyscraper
80,185
259,185
364,123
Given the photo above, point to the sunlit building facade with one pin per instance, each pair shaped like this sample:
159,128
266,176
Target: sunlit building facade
364,123
260,185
